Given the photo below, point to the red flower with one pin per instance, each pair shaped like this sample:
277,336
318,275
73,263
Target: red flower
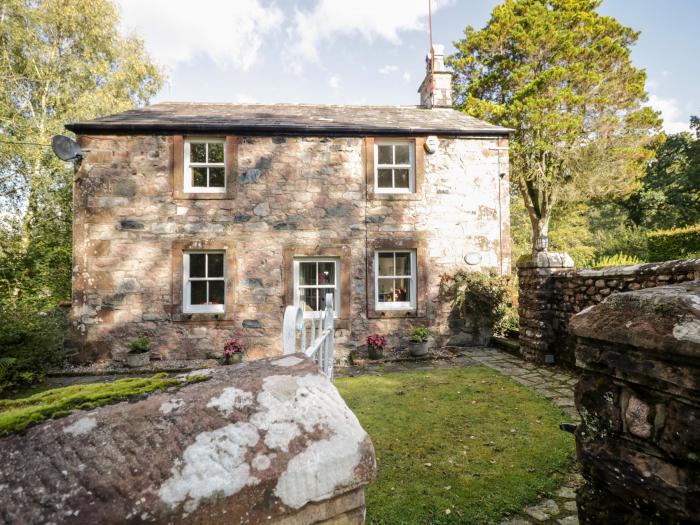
234,346
376,340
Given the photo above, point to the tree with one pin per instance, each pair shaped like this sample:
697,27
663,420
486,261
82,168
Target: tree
60,61
560,75
670,193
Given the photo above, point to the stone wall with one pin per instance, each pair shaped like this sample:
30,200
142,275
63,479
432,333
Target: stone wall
264,442
551,291
292,195
639,399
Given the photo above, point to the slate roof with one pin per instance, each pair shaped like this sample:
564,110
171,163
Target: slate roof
290,119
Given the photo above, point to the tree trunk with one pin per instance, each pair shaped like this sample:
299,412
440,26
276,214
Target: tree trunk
540,233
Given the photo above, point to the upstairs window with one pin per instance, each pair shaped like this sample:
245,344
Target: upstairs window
395,167
205,166
313,279
395,280
205,282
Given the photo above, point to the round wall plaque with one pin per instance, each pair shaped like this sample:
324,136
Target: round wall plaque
472,258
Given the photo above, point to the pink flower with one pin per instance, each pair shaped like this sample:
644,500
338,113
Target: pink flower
234,346
376,340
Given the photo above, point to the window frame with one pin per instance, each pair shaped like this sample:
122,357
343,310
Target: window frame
396,305
188,165
411,166
336,286
189,308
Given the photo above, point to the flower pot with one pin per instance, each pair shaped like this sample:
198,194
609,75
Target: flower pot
134,360
233,358
418,349
375,352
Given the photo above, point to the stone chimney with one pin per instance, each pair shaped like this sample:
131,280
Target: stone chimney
437,93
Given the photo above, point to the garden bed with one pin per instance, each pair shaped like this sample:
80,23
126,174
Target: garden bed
462,445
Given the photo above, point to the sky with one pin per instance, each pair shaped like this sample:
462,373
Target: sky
370,51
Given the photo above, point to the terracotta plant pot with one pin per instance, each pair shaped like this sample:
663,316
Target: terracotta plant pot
418,349
134,360
375,352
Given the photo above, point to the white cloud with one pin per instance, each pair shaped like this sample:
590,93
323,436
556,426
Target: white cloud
674,120
334,82
388,69
406,76
175,31
364,18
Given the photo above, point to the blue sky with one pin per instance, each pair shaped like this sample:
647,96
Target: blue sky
369,51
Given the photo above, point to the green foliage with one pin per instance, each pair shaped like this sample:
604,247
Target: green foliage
420,334
486,298
670,193
18,414
421,425
678,243
140,345
578,108
60,61
30,342
619,259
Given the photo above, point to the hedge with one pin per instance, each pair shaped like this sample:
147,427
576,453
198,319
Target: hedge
679,243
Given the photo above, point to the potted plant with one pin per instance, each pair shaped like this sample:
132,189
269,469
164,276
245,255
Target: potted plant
375,346
418,344
139,352
234,350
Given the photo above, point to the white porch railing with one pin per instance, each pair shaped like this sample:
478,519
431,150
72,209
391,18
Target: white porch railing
320,347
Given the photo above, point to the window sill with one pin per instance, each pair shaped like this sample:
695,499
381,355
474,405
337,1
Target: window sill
374,196
182,195
201,317
395,314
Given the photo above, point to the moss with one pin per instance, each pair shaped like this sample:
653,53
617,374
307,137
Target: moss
18,414
469,441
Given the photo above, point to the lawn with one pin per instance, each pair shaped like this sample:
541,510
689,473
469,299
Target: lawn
456,446
19,413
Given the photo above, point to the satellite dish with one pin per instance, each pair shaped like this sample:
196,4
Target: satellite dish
66,148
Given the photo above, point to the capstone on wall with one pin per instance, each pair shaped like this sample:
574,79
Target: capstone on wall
551,292
292,195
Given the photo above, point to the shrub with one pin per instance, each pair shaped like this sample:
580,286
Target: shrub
619,259
30,343
486,298
140,345
233,346
679,243
376,341
420,334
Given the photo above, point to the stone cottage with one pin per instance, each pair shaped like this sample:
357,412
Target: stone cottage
195,222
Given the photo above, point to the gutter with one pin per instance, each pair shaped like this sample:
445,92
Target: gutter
281,129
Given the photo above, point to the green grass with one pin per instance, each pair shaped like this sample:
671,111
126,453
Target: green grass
18,414
456,446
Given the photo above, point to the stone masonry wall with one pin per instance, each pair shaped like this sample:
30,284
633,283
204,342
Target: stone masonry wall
638,443
550,295
265,442
308,192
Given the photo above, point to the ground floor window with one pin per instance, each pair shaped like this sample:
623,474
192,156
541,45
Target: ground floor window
395,280
204,286
313,279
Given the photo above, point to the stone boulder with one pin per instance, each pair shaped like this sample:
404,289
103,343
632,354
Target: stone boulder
269,441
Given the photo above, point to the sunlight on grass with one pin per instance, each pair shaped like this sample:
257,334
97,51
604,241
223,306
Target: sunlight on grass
17,414
463,445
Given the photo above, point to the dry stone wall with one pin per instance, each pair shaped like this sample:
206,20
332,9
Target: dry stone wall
291,194
551,291
639,399
264,442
